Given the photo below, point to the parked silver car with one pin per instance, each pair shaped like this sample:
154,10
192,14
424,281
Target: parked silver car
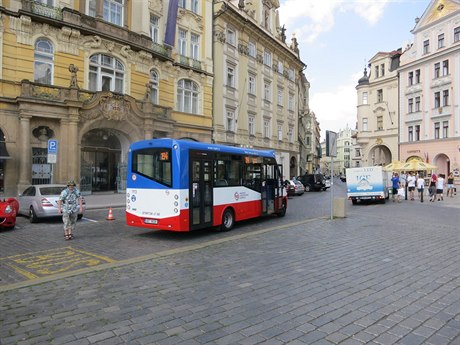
41,201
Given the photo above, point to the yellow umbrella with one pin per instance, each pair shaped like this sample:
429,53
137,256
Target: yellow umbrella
393,166
416,165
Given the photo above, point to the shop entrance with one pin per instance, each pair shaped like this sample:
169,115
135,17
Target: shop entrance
100,157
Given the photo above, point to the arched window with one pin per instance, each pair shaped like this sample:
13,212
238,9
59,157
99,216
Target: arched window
106,73
187,96
43,61
154,86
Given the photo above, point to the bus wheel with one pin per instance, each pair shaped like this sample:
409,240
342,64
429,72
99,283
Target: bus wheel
282,210
228,220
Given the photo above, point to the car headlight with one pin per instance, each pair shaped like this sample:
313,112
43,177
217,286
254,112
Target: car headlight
8,209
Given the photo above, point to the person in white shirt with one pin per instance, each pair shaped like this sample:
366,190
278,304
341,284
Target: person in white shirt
411,181
420,187
440,187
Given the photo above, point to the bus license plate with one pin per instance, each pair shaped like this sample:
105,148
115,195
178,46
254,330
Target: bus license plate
151,221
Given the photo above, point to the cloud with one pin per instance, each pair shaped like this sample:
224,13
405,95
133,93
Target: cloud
337,108
309,19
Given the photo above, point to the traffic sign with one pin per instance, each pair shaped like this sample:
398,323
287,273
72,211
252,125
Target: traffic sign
52,146
52,158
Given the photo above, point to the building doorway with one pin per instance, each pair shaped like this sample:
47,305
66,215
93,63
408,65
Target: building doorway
100,157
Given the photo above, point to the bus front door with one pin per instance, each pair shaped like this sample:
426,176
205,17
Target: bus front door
269,189
200,192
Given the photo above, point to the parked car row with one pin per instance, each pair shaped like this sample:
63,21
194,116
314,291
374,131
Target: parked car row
314,182
36,202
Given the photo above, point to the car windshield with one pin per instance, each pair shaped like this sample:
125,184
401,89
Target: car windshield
55,190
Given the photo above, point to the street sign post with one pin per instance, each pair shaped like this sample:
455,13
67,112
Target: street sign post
52,151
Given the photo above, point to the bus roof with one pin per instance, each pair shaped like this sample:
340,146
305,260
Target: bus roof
184,144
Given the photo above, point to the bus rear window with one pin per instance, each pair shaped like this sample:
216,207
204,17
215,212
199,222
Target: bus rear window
154,164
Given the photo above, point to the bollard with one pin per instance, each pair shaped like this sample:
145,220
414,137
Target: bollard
339,207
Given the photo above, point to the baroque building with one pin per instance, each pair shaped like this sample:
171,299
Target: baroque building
429,92
377,120
93,76
257,81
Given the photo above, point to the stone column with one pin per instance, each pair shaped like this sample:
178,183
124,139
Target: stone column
99,9
25,153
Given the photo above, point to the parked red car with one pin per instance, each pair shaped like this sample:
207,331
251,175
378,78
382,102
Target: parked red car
8,210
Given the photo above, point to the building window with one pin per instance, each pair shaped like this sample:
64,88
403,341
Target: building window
231,39
417,103
194,6
252,84
291,102
195,46
440,41
379,96
106,73
91,8
411,133
267,91
411,78
417,76
230,120
445,98
154,27
436,130
445,129
382,70
410,105
154,86
266,128
187,96
113,11
417,133
437,99
365,124
379,123
231,76
252,49
457,34
280,67
445,67
365,98
280,97
43,61
291,134
267,58
251,125
280,132
437,70
291,75
182,42
376,68
426,47
182,3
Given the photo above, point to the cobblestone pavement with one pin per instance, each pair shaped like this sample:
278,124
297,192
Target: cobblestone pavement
373,277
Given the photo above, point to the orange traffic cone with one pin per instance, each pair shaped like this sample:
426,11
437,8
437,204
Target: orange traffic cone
110,215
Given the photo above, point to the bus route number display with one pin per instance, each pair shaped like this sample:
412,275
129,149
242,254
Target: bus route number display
164,156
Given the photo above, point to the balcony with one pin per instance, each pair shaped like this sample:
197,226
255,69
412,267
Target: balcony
42,9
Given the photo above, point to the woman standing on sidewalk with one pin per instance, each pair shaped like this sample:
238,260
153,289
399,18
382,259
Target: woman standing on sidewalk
67,204
450,185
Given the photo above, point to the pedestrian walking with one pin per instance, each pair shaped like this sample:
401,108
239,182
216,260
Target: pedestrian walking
411,181
68,203
432,187
450,185
440,187
420,187
395,186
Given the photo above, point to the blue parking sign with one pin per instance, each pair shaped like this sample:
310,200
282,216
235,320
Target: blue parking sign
52,146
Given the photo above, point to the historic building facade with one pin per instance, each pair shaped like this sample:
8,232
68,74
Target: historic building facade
377,109
429,91
95,76
257,78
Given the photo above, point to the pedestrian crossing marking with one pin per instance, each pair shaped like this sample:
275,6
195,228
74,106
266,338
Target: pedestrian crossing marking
54,261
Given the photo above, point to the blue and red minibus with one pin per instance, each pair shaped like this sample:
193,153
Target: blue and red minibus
183,185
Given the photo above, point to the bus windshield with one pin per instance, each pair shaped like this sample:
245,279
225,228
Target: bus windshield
153,163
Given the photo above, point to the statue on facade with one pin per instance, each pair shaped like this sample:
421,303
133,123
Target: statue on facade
282,31
73,76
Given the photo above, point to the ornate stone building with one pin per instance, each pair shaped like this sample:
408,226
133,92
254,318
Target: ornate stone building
95,76
257,81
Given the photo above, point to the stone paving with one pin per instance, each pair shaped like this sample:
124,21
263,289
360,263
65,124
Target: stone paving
373,277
